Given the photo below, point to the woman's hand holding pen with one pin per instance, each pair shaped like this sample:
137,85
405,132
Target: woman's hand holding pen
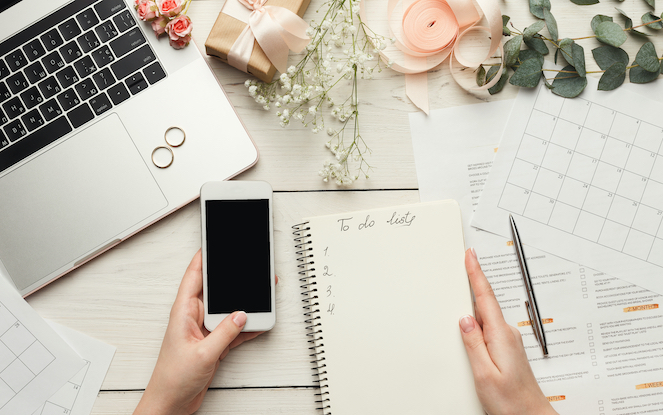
503,377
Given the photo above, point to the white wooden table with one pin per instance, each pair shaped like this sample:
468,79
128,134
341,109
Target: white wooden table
124,296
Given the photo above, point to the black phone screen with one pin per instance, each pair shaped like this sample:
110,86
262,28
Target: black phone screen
238,256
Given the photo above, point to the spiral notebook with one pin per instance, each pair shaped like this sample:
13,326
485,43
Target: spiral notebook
384,290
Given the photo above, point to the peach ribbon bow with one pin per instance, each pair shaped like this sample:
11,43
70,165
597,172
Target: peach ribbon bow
429,32
277,30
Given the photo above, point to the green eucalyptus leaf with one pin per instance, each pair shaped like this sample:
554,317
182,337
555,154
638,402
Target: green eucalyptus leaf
568,85
652,3
599,18
647,58
505,30
527,54
584,2
579,59
556,53
605,56
533,29
538,45
500,84
481,76
566,48
639,75
528,74
610,33
649,17
551,24
536,7
613,77
547,84
512,49
628,23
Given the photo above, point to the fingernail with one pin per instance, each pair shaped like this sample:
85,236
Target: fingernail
240,319
474,253
466,324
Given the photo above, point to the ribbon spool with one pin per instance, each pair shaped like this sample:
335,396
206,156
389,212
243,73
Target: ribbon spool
429,32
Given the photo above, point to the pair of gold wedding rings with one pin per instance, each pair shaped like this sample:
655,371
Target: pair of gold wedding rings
169,148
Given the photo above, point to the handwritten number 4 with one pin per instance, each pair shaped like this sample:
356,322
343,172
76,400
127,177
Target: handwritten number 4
330,310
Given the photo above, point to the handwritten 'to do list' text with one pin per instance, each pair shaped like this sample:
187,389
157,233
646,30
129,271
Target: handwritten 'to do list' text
397,219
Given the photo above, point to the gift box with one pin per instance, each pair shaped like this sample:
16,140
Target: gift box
227,30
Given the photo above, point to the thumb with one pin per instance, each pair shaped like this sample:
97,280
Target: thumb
219,339
475,345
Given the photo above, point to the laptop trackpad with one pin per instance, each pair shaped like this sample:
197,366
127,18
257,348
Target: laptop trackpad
73,199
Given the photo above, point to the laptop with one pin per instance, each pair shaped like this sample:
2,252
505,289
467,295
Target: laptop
87,93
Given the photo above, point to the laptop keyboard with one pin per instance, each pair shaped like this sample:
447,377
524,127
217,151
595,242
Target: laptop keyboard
68,68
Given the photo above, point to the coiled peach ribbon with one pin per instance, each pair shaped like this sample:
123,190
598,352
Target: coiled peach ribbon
430,32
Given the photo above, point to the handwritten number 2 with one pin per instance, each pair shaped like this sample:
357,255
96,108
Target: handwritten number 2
326,273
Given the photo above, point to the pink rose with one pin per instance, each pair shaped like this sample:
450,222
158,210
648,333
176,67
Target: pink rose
169,8
147,10
179,31
159,25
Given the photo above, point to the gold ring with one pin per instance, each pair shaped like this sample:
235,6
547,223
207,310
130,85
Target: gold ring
165,136
172,157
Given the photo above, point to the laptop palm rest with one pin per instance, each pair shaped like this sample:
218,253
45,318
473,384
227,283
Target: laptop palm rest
84,192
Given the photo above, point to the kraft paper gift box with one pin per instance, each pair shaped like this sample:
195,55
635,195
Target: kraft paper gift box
227,29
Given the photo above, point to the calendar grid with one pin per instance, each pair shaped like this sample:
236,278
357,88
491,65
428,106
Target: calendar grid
22,356
591,172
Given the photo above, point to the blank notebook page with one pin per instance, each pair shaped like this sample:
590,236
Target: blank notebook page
390,287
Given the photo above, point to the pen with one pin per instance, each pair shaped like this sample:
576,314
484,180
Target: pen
532,308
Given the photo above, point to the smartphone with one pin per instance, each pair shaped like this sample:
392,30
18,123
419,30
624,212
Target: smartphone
238,253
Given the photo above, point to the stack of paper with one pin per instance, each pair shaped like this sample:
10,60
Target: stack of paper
605,335
46,369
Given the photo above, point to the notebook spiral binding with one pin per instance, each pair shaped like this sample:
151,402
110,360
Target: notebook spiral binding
312,311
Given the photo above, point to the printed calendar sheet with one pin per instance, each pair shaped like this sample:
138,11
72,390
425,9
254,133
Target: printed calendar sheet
583,178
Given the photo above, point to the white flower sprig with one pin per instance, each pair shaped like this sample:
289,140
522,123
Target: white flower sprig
342,50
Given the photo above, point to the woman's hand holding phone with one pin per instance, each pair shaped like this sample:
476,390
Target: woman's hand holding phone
190,355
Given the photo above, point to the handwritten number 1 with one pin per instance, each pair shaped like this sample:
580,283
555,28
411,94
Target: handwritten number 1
326,250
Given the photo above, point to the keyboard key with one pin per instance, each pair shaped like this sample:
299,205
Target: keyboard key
4,70
32,97
32,120
38,140
80,115
49,87
50,109
106,31
100,104
127,42
84,66
68,99
35,72
86,89
154,73
124,21
107,8
34,50
136,83
53,62
16,60
70,52
4,142
88,41
67,77
102,56
13,108
17,82
3,118
69,29
118,93
104,79
133,62
4,92
51,39
87,19
15,130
